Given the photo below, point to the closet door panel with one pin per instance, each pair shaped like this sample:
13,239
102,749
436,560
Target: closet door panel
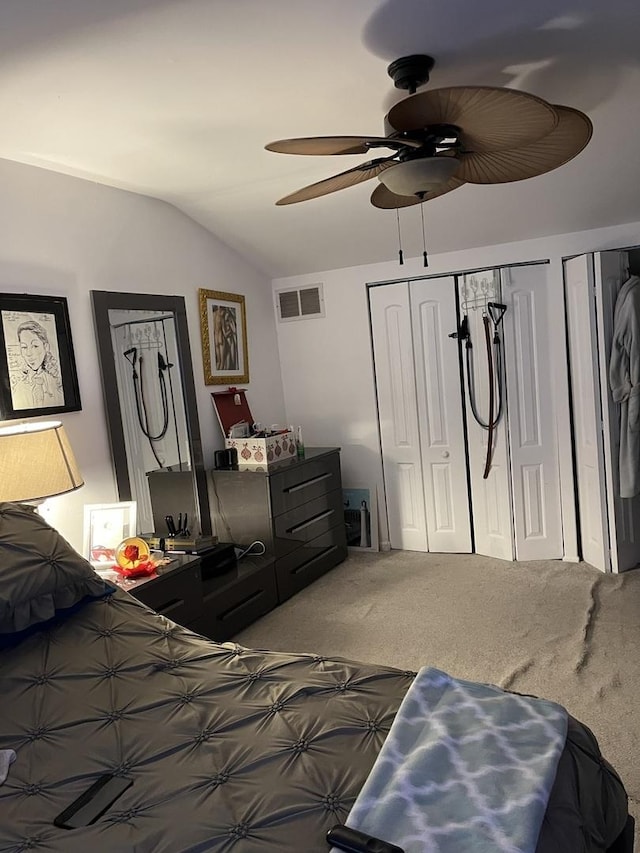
442,443
491,498
532,430
587,413
398,416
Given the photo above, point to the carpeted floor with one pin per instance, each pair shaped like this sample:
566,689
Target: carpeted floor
559,630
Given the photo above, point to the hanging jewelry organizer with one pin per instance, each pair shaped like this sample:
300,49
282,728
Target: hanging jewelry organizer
478,289
482,291
145,334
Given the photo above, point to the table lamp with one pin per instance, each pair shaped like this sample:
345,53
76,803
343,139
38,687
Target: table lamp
36,462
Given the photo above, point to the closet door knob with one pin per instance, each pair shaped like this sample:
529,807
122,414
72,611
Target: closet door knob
445,454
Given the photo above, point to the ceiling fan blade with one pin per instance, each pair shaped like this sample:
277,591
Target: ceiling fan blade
337,144
350,178
490,119
565,142
386,200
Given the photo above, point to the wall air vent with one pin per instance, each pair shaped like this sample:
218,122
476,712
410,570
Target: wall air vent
300,303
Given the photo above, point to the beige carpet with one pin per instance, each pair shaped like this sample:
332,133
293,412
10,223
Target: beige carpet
559,630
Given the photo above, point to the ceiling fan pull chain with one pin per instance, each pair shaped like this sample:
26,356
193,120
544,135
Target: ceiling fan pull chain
424,239
400,254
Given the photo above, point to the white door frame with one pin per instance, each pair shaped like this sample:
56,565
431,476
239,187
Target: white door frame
587,411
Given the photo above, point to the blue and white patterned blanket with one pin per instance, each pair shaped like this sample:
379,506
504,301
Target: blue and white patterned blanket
465,767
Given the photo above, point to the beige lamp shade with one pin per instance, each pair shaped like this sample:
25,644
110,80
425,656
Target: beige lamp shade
36,462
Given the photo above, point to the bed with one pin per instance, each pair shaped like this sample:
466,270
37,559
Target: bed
229,748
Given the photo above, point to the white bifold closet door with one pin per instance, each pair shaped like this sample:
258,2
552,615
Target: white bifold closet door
491,497
420,413
533,443
434,473
517,508
398,416
609,524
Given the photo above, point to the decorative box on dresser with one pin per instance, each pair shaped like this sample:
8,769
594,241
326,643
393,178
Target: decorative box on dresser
294,507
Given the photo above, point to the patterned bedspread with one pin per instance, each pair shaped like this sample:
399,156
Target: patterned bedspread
230,750
466,767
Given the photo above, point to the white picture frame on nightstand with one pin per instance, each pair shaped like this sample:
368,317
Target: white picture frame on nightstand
105,526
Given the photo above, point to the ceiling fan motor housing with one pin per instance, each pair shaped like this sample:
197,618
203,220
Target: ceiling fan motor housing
419,177
411,72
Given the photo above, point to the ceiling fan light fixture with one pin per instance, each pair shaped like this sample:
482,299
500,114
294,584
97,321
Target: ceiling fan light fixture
415,177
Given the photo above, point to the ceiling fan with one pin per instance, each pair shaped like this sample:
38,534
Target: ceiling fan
443,138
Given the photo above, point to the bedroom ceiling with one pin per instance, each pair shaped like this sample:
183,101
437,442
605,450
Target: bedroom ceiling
176,99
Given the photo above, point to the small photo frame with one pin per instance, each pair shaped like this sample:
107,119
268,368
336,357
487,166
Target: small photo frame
105,526
361,517
223,328
37,365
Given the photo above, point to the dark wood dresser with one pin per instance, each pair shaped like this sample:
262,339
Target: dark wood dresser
294,508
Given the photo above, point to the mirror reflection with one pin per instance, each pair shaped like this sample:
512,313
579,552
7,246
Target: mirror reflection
149,392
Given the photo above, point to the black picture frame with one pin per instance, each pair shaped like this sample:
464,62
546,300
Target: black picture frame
37,365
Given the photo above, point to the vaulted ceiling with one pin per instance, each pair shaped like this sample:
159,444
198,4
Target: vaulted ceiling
176,99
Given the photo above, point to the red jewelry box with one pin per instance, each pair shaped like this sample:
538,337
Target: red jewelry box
232,408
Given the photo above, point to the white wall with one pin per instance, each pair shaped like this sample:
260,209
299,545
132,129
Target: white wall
64,236
327,367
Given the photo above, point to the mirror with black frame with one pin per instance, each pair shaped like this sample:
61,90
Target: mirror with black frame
151,411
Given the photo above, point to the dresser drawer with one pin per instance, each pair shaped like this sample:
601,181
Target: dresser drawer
230,610
177,595
301,484
307,563
304,523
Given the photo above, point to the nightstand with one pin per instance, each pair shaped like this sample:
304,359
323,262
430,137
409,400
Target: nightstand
174,591
214,605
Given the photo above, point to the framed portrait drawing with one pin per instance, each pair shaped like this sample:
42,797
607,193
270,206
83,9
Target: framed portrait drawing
223,326
37,366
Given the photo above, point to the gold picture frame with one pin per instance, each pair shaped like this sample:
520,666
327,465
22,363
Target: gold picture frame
223,328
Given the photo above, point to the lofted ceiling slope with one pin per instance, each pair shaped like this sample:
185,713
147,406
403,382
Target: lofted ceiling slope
176,99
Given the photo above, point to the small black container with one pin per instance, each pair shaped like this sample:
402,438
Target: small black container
226,460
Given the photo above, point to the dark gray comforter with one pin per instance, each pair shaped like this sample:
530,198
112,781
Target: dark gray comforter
229,749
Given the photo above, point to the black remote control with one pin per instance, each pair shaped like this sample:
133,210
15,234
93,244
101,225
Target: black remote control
353,841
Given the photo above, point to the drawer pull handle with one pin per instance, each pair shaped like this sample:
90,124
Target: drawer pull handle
170,605
229,613
290,489
313,520
315,559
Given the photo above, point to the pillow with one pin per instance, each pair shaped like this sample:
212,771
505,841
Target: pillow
41,576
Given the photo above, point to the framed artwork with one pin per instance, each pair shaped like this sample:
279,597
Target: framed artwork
223,326
105,526
37,366
361,517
